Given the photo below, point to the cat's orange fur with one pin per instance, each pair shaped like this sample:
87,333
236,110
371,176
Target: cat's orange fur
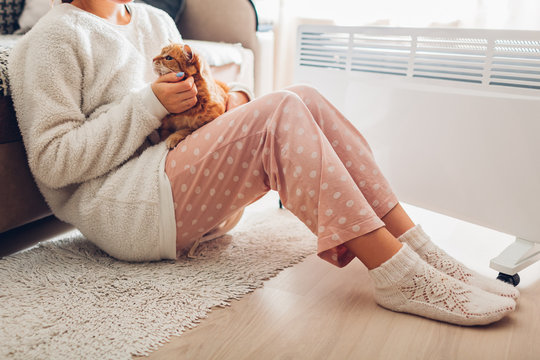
211,94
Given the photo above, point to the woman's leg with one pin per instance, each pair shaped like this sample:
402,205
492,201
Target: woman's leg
357,157
274,143
355,153
270,143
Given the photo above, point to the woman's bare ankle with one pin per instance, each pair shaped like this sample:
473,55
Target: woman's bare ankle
374,248
397,221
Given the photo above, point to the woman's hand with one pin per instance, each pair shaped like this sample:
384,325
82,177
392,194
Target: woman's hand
236,98
175,94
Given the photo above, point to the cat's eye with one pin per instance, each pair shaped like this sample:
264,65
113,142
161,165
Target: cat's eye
168,57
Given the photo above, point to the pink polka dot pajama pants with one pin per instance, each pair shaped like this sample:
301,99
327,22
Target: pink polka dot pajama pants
293,141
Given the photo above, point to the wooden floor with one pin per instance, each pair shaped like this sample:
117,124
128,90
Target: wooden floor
316,311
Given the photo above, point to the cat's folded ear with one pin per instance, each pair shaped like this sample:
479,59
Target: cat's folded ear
189,55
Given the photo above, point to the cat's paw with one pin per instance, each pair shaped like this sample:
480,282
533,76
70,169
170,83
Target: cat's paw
174,139
171,142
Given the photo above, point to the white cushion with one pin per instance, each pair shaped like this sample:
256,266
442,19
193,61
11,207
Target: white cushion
217,54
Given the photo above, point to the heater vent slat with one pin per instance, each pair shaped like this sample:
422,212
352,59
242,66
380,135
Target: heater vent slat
449,58
441,54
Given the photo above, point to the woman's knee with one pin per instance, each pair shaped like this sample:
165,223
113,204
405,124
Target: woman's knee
282,103
304,91
267,111
291,112
290,105
287,96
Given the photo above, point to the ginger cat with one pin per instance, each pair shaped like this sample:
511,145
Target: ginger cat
211,94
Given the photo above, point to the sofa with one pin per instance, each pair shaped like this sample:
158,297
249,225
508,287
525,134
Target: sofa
25,217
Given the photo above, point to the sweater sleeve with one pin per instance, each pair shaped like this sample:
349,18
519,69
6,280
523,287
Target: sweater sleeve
236,86
63,145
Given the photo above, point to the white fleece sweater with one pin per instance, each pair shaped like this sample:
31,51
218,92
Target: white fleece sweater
81,90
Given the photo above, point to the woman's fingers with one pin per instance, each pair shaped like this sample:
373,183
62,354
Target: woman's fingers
175,93
186,104
185,89
171,77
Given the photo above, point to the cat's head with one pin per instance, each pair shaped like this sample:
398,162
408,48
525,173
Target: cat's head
176,58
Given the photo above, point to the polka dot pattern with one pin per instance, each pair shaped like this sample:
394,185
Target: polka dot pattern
294,142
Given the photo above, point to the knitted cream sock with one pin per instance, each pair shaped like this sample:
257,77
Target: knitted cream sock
406,283
420,242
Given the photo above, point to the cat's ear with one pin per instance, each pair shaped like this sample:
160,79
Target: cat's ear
189,54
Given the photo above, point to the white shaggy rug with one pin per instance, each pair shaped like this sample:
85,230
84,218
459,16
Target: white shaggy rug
66,299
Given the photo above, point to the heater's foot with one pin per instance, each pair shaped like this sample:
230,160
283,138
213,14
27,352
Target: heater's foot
517,256
510,279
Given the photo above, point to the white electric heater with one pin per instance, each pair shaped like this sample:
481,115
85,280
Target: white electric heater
452,115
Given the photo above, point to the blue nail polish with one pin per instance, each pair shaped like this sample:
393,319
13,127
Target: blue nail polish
179,74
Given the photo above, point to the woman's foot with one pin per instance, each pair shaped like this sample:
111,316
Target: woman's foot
420,242
406,283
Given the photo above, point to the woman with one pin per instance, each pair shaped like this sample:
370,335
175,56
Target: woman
87,102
